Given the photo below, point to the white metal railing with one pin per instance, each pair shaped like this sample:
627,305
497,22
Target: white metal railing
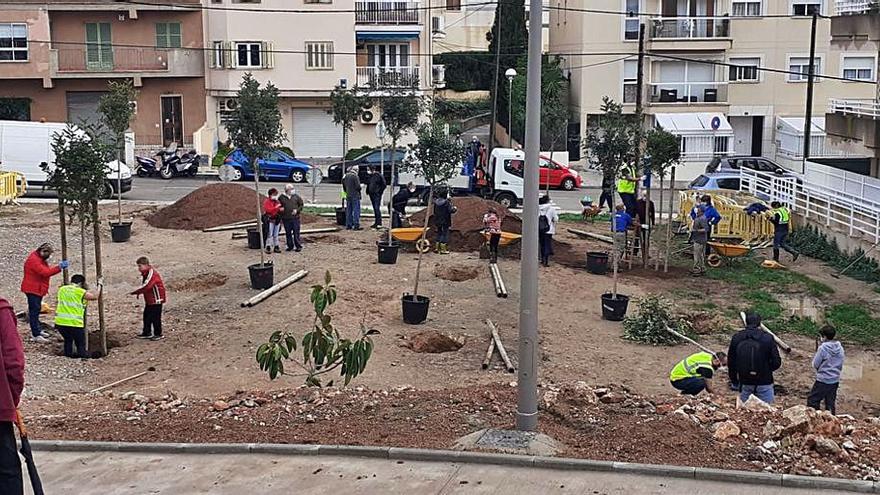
848,7
850,183
856,215
386,12
688,92
705,146
792,146
690,28
858,107
388,77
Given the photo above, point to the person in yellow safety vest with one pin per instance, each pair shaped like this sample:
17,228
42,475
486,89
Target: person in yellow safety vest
694,373
781,221
70,314
626,188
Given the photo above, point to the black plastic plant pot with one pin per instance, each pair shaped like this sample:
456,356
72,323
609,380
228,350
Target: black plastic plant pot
262,275
340,216
253,237
597,262
614,309
120,231
388,252
415,308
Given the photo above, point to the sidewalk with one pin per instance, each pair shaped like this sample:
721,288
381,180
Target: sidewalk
123,473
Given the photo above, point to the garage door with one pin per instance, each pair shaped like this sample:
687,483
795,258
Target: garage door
315,134
83,106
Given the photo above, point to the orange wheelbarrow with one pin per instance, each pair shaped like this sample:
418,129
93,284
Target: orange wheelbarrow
413,235
723,252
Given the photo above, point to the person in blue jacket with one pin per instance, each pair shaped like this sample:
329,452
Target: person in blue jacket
712,216
620,222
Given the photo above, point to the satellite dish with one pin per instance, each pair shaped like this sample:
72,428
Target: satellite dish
227,173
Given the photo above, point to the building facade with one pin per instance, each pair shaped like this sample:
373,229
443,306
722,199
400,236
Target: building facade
465,24
57,57
307,48
702,75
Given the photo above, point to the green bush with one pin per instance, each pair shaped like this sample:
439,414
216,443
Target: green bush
223,151
451,110
648,325
809,241
467,71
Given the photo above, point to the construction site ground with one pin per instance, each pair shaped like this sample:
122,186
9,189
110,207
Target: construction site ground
203,384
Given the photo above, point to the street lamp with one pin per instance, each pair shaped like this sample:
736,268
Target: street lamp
510,73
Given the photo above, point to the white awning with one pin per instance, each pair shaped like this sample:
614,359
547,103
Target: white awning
795,125
697,123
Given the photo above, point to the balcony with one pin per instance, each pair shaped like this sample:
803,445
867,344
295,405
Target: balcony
690,33
869,109
388,77
134,62
371,12
689,93
855,7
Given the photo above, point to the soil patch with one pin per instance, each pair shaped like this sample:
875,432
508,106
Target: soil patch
206,207
456,273
432,342
198,283
467,224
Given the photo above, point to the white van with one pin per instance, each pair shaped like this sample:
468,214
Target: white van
25,145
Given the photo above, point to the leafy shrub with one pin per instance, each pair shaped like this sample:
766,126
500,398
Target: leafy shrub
809,241
649,324
451,110
467,71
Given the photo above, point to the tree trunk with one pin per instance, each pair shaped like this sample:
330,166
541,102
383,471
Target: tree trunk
616,255
391,187
82,245
102,329
662,194
256,170
424,236
669,224
119,182
64,273
647,244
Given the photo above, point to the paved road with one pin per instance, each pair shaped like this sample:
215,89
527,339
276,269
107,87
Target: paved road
76,473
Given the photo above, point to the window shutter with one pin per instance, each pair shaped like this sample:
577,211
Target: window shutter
267,47
212,55
231,56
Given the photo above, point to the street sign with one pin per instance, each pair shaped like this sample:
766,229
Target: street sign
226,173
314,176
380,130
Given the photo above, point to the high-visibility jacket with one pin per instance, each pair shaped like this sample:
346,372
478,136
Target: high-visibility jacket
784,215
689,366
71,309
625,185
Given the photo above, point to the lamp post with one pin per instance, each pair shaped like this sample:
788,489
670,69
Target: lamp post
510,73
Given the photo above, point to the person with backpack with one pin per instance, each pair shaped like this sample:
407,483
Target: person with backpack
547,220
442,219
751,360
828,363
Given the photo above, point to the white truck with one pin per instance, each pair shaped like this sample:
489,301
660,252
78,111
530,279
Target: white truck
502,180
26,145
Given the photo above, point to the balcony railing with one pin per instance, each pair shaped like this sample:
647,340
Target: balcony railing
851,7
388,77
175,61
383,12
689,93
860,108
792,146
672,28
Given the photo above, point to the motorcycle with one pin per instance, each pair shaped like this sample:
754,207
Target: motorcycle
168,164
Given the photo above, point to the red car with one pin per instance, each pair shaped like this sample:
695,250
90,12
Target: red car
555,174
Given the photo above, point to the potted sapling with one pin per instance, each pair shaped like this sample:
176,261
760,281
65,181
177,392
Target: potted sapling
117,110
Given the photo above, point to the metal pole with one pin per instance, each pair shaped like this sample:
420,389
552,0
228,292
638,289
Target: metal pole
382,171
640,84
527,380
495,84
509,112
811,76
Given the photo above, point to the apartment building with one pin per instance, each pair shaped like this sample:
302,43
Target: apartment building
690,87
376,44
853,122
465,24
56,58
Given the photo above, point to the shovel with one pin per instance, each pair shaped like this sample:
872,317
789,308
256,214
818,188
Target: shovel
838,274
28,455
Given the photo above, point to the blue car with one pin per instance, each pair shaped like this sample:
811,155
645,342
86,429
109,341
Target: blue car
278,165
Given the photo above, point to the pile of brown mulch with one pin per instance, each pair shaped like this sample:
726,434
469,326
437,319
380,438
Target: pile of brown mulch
432,342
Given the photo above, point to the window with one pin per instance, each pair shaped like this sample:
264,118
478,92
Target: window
746,8
319,55
249,54
801,68
391,55
15,109
514,167
631,21
218,55
453,5
99,48
720,145
806,7
731,183
318,1
861,68
167,35
630,86
744,69
13,42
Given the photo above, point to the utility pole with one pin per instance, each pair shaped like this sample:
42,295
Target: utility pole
811,77
640,89
497,72
527,380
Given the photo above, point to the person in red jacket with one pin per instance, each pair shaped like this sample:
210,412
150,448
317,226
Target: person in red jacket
272,212
11,385
35,286
153,290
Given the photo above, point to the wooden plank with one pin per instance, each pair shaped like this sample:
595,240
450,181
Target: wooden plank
503,352
271,291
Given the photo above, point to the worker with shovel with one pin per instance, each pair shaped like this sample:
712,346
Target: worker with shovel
11,385
694,373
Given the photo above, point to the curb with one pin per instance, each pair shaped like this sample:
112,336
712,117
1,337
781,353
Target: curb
431,455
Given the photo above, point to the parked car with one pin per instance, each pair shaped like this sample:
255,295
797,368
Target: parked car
730,181
734,163
554,174
277,165
364,162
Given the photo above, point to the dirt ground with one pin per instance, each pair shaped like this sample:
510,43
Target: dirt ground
210,340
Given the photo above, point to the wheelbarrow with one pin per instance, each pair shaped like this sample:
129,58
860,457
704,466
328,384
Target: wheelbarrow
413,235
506,238
723,253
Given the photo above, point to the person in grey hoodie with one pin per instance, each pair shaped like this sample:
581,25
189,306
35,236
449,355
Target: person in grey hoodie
828,363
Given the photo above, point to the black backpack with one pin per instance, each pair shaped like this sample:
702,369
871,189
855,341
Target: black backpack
750,361
543,224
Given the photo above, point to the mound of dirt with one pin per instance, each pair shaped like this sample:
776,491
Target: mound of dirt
456,273
467,224
432,341
198,283
206,207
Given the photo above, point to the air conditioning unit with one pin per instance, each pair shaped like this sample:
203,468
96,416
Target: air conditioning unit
438,27
438,75
227,104
368,104
134,107
370,117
